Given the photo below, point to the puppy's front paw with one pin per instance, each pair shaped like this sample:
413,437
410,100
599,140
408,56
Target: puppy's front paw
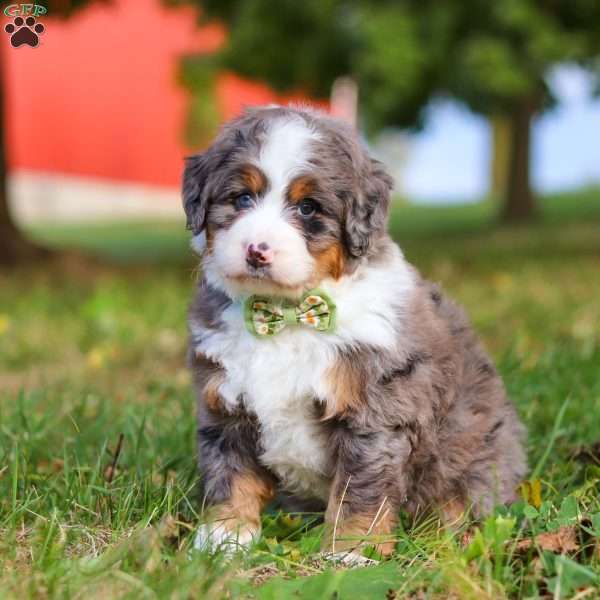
228,536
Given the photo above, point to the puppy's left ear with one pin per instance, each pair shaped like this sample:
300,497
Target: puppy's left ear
195,198
368,210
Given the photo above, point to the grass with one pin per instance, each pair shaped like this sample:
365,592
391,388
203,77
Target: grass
88,355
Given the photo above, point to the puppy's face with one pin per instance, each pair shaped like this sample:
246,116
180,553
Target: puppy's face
283,200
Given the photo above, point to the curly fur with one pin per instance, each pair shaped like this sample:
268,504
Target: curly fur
399,407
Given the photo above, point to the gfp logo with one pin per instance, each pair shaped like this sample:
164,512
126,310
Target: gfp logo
24,29
24,10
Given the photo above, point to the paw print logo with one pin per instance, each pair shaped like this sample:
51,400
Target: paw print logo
24,31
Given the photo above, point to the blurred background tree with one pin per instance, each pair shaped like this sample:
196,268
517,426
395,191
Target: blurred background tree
493,56
498,63
15,248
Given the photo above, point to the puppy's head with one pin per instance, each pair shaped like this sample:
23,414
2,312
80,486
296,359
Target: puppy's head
283,200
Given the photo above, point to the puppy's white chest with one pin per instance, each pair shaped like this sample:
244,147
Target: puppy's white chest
279,379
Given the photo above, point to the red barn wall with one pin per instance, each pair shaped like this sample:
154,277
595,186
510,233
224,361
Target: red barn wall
99,96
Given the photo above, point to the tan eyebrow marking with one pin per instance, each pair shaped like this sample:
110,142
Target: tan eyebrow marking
302,187
254,179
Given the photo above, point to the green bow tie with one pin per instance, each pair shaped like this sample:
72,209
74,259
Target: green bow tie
265,316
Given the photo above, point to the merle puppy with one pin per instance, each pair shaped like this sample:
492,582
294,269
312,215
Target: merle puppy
325,366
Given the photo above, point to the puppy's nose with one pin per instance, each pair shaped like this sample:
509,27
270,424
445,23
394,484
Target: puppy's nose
259,255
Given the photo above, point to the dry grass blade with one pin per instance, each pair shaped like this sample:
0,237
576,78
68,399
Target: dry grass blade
110,471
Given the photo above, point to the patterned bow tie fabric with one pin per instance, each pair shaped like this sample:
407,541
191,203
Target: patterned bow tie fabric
265,316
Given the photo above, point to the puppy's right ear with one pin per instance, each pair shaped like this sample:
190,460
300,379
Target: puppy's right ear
195,198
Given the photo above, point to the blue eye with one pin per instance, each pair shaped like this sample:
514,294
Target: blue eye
244,201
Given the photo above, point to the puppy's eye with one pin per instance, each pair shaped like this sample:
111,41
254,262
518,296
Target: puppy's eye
244,201
307,208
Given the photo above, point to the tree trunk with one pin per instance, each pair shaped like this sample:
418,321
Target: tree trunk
519,203
14,247
500,153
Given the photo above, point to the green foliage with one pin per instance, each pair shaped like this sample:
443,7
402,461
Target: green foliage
313,36
569,576
203,116
394,71
374,582
490,541
487,54
89,355
315,33
510,47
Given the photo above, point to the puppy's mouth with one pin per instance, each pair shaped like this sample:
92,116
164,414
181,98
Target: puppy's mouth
253,274
258,272
262,280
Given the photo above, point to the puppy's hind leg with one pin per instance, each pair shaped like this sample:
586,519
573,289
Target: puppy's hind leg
366,492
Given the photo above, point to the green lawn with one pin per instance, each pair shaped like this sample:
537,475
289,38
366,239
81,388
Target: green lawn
88,354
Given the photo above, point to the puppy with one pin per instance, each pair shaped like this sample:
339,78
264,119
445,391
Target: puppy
325,366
